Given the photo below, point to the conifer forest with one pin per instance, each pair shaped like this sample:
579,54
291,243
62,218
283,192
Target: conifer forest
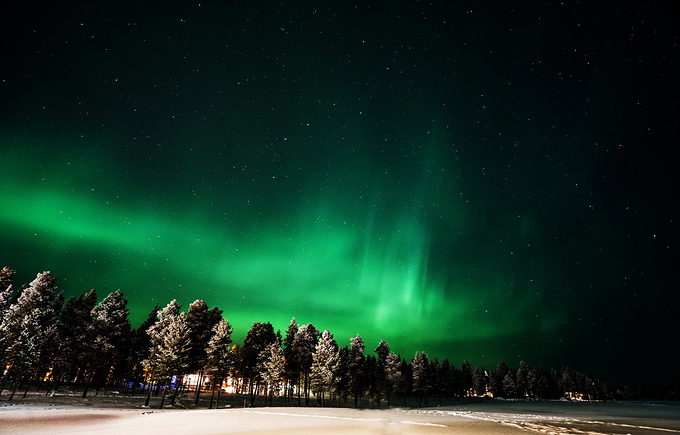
86,344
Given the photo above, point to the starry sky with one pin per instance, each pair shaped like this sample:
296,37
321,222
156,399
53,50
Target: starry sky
479,181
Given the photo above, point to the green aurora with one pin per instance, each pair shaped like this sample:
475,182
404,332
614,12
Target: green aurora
361,270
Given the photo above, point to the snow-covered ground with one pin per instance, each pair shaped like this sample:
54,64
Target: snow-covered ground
558,417
494,418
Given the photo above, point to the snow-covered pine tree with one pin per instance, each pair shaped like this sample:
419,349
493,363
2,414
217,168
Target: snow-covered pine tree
342,383
6,293
479,381
304,346
31,326
380,376
259,337
157,334
201,320
392,375
466,371
74,338
220,356
292,364
111,336
521,380
6,299
509,385
324,362
419,367
270,367
357,363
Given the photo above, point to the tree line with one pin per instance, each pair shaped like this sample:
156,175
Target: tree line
91,345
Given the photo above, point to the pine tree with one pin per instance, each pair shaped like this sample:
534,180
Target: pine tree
220,356
258,338
6,300
383,350
479,381
342,384
497,377
174,351
392,375
270,368
419,367
435,377
532,384
406,385
566,382
324,363
304,346
357,369
448,384
111,335
31,325
292,363
6,292
509,385
521,380
201,321
74,336
169,345
466,370
139,349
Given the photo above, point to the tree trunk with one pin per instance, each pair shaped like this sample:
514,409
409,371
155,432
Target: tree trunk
212,393
87,384
198,386
149,388
179,384
306,388
299,402
14,389
101,381
28,385
165,390
217,404
4,379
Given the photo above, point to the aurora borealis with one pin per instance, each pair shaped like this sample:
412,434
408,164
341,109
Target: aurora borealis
478,182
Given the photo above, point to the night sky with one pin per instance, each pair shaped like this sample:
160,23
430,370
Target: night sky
476,181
